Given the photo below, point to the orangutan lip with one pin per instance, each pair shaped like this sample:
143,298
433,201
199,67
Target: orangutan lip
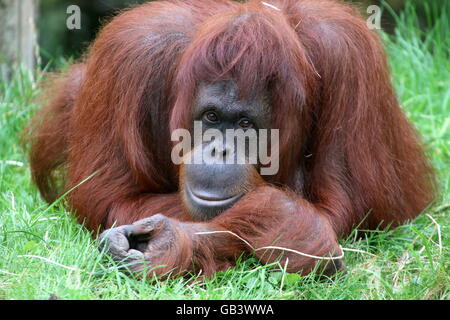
209,199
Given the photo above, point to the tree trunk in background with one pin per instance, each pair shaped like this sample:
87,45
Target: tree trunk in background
18,35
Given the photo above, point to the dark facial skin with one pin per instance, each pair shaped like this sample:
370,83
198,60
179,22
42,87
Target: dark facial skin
209,189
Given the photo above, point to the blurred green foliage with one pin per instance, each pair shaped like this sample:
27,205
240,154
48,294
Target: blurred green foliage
56,40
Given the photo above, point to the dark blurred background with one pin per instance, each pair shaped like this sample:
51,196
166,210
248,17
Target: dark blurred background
57,41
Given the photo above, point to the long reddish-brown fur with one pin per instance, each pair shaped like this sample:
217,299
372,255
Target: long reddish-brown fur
348,155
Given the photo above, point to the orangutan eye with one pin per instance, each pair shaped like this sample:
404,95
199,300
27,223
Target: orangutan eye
211,116
245,123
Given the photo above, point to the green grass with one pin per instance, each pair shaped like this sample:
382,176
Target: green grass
44,251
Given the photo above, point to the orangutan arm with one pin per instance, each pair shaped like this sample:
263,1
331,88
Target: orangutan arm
266,217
